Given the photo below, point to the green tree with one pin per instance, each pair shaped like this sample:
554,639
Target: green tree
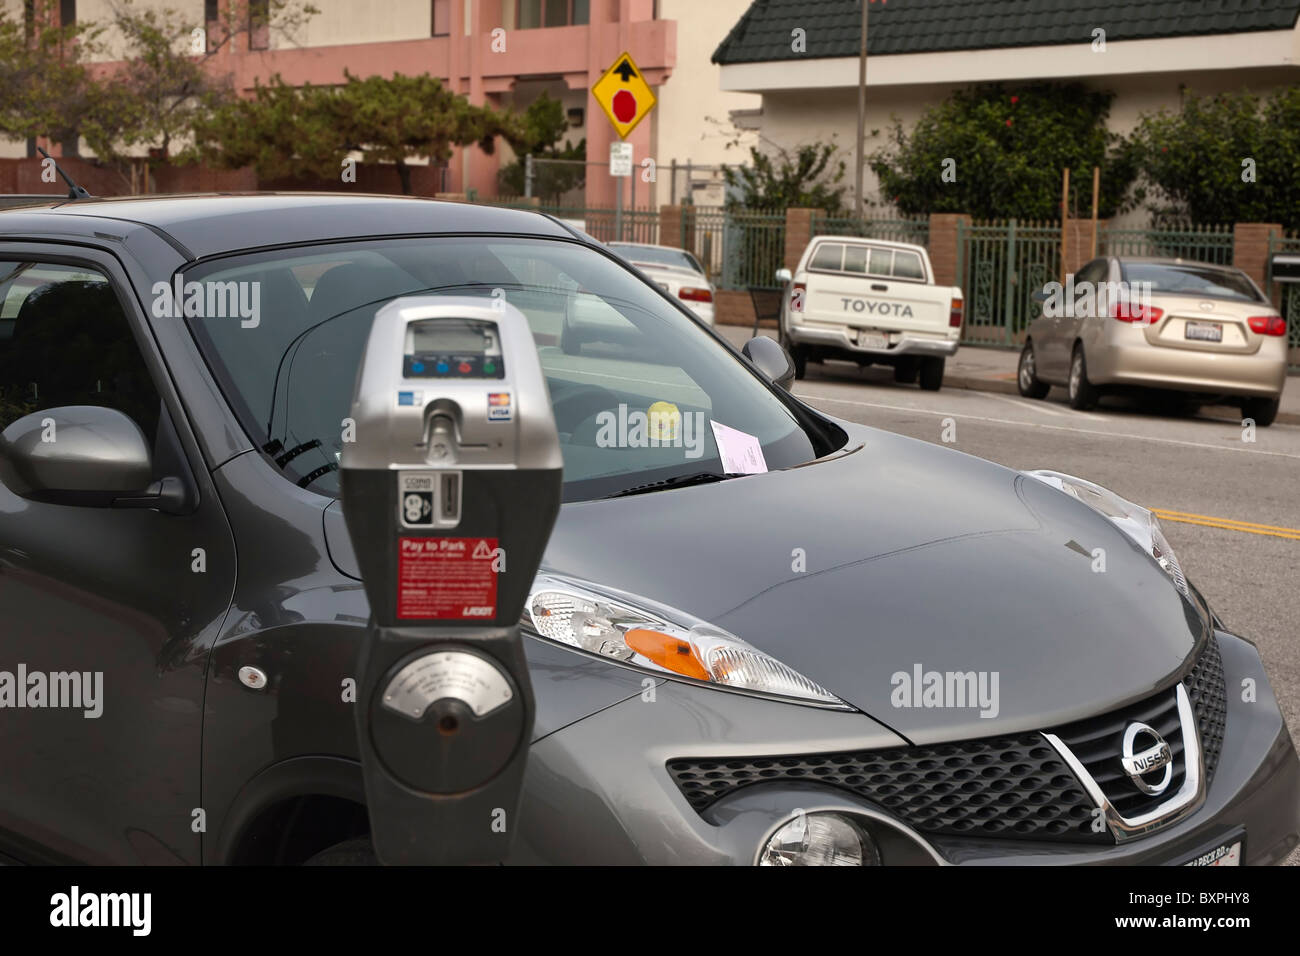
46,85
170,77
537,132
308,131
1231,157
998,152
809,176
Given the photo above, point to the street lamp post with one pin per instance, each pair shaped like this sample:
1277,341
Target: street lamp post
862,114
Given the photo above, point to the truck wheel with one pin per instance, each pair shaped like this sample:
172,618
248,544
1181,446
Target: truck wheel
1083,394
1030,385
358,852
1263,410
932,373
905,371
799,354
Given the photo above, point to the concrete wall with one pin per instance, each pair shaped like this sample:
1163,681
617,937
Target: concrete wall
795,117
693,112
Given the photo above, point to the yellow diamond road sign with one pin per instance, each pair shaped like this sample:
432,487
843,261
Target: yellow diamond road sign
624,95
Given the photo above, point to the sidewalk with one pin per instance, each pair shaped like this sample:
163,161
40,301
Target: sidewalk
994,370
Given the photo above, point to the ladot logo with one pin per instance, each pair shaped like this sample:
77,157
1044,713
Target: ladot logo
209,300
76,909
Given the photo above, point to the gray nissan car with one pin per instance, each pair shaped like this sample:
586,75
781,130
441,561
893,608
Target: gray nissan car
853,649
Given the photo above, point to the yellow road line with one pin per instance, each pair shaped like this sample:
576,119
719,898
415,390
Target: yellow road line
1228,524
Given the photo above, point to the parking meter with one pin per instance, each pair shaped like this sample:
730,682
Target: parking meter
450,490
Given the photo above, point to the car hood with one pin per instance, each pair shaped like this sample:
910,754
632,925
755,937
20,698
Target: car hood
899,557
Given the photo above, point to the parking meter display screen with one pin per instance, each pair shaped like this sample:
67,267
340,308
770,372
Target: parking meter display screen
452,349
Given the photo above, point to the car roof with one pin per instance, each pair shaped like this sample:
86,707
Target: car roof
216,223
1170,261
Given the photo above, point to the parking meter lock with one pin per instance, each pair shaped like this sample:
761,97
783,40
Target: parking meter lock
450,490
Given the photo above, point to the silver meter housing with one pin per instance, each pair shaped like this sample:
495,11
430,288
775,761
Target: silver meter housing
451,382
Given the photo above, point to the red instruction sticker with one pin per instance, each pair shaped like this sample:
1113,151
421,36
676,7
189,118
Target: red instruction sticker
447,578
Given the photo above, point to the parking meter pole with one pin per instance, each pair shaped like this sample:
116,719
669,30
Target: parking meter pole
450,491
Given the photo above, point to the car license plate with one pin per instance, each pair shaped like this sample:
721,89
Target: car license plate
1225,854
1204,331
873,340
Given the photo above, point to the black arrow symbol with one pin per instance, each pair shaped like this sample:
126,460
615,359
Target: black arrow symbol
624,70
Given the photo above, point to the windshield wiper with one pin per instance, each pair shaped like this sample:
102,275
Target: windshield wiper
680,481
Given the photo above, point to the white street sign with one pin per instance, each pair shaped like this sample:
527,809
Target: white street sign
620,159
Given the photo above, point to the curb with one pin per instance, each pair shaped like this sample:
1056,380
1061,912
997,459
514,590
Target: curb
976,384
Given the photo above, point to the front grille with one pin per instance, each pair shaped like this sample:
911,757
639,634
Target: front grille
1015,786
1205,686
1097,743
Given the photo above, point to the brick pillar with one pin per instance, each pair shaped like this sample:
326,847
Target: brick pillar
1078,234
670,226
798,233
943,246
1250,248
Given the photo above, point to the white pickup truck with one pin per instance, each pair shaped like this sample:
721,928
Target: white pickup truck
871,302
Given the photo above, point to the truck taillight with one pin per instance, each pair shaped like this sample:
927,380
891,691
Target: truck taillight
1267,324
1129,312
954,316
798,292
692,294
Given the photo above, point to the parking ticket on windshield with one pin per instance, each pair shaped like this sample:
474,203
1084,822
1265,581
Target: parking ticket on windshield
741,453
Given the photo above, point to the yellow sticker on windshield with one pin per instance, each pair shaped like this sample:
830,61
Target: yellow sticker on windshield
665,421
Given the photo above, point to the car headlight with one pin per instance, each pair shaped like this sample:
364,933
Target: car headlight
661,640
1134,520
820,839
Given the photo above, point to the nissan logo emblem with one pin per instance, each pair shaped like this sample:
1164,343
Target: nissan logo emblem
1153,756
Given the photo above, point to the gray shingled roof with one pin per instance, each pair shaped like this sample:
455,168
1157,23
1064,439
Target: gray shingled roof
923,26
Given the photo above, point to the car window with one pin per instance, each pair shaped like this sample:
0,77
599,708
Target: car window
1189,278
654,255
828,255
881,262
855,259
65,340
907,265
620,361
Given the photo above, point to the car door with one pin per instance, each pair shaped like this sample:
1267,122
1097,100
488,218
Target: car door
1054,334
107,612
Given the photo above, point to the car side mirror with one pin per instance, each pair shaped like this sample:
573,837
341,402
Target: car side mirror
770,357
784,275
83,455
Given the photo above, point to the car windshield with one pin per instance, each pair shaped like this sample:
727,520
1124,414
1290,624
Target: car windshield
1191,279
636,384
656,256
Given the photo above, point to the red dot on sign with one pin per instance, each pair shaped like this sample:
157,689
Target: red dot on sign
464,367
624,106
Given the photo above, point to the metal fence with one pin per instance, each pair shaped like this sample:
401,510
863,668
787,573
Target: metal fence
1202,243
915,231
1000,264
1288,293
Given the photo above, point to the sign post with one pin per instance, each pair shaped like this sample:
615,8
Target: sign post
627,99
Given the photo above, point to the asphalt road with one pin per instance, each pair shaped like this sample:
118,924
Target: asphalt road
1238,502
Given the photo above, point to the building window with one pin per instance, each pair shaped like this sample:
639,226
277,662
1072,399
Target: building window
259,24
552,13
441,18
67,12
